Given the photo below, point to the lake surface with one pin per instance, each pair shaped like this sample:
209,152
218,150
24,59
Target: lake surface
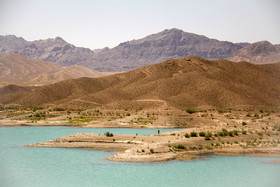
32,166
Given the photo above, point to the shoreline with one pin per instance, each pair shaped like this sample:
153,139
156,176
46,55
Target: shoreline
158,147
13,123
98,126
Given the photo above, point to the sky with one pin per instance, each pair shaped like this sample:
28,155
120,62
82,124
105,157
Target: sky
106,23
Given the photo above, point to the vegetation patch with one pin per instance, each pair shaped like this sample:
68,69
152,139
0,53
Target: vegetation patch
108,134
193,134
81,120
190,110
179,146
202,134
187,135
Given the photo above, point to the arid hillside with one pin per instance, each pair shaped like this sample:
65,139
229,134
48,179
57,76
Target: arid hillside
190,82
21,70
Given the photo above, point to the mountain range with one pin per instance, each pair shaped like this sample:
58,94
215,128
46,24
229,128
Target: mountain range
168,44
190,82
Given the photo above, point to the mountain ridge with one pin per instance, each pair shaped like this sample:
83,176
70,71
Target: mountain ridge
191,82
154,48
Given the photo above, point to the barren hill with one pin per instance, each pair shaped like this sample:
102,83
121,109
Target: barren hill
191,82
259,53
168,44
18,69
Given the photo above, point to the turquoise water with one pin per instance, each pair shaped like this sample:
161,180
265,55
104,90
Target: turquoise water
29,166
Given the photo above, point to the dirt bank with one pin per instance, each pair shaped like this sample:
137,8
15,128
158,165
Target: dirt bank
173,145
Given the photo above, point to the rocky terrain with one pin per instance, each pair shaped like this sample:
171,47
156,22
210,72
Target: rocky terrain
259,137
168,44
258,53
54,50
191,82
16,69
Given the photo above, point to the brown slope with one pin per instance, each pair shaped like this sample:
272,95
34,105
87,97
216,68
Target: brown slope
14,88
188,82
18,69
258,53
65,73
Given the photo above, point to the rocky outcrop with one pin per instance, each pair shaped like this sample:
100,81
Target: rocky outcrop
53,50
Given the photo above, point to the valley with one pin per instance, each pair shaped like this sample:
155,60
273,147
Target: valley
221,106
140,93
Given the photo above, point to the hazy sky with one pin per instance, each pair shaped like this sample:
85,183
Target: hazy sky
100,23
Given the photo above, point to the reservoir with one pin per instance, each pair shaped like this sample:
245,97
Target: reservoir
33,166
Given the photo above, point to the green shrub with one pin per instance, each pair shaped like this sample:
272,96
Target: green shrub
208,147
187,135
225,132
209,134
108,134
59,109
193,134
259,133
190,110
193,148
152,151
244,132
244,123
220,134
235,132
207,138
37,115
202,134
179,147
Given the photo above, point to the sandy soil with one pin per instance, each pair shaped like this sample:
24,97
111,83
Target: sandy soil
230,131
169,146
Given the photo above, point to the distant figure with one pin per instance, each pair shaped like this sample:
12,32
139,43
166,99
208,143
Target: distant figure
158,131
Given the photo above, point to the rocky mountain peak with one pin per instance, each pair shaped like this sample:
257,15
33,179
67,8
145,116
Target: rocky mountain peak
261,46
59,39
